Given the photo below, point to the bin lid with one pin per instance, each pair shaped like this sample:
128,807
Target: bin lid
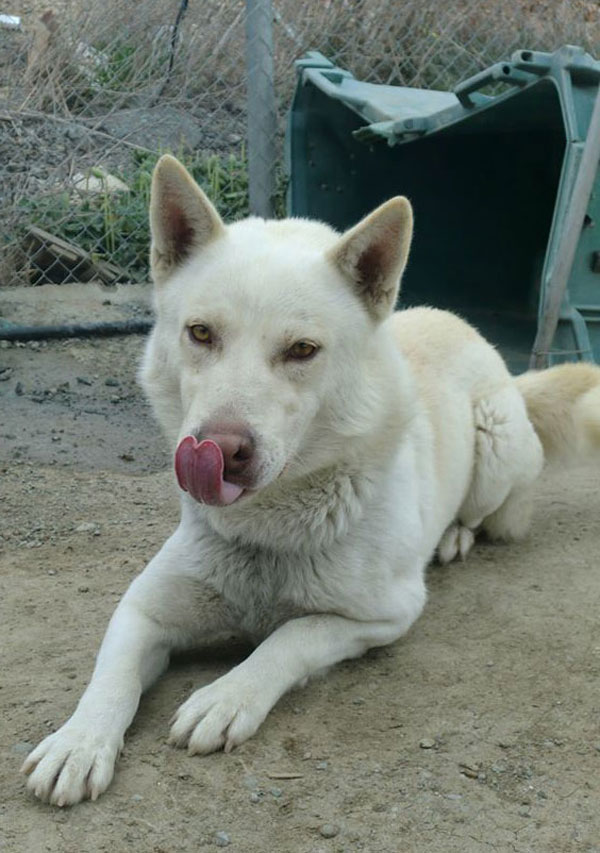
399,114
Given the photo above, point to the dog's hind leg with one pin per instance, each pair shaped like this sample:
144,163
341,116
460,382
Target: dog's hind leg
511,521
508,460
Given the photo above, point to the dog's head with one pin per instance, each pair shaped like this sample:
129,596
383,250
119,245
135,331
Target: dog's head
263,359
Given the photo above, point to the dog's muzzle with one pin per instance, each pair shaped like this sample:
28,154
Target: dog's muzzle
216,469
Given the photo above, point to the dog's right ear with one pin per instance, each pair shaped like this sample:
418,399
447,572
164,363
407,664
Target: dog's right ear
182,219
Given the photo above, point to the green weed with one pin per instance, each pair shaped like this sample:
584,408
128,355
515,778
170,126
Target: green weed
113,226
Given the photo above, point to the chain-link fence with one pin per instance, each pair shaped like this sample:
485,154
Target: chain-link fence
92,93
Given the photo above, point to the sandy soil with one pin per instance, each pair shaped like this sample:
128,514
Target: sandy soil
476,732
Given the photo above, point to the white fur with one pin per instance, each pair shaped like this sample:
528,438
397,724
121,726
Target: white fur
400,433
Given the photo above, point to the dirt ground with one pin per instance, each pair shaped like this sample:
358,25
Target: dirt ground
477,732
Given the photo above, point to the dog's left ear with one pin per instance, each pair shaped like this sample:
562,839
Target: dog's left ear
182,219
373,254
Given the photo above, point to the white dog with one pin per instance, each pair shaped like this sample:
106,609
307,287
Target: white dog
325,449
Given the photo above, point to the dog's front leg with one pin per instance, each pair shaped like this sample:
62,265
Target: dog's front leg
165,608
228,711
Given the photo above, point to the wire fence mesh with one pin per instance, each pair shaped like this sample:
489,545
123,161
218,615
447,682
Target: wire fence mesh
92,93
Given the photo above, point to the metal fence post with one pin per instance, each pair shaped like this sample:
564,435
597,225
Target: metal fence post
262,113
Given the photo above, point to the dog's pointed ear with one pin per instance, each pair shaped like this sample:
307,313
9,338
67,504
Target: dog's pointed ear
182,219
373,254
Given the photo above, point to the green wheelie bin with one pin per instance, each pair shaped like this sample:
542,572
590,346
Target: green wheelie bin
505,190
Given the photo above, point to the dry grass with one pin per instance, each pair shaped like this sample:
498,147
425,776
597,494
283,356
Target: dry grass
90,59
72,69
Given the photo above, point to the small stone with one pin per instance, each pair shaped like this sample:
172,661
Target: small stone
222,839
276,792
78,134
358,701
427,743
51,571
19,389
88,527
112,382
321,765
115,399
5,373
469,770
525,811
255,797
83,380
83,589
329,830
73,131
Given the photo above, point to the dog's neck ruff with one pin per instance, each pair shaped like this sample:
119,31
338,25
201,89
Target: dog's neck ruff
306,515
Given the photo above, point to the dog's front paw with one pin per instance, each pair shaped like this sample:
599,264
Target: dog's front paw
222,714
71,765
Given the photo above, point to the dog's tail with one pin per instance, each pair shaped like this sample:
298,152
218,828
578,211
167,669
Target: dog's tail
563,404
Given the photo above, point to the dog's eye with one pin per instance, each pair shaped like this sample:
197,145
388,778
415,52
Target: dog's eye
302,350
201,334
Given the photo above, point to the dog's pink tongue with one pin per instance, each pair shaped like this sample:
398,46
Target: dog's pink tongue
199,467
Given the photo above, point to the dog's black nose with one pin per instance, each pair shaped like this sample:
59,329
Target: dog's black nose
237,446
